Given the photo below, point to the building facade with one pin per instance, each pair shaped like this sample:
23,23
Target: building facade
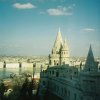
65,80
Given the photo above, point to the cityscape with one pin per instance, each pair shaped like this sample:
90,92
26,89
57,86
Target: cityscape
49,50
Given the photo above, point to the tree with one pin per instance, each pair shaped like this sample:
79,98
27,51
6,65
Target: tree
2,90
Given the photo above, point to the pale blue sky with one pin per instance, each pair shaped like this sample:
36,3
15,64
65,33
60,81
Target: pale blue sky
29,27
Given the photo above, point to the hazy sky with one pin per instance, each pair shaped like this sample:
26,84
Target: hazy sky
29,27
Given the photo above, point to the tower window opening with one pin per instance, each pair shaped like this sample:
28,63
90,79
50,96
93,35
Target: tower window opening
54,62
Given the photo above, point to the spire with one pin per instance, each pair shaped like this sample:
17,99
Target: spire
64,53
59,37
58,41
90,64
65,46
90,57
59,30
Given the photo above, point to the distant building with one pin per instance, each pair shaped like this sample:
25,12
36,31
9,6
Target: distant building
65,81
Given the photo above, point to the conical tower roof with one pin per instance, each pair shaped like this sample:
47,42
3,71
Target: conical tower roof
90,57
58,42
90,62
65,46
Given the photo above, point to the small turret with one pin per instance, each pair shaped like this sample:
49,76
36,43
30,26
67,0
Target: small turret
91,64
65,46
64,53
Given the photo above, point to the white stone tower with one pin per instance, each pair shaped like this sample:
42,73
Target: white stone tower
55,55
64,53
60,52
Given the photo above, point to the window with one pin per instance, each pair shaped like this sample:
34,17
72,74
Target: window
52,72
20,65
54,62
57,74
65,92
75,96
68,94
44,83
62,90
75,73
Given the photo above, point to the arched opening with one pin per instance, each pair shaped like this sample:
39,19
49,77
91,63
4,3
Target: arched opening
54,62
57,74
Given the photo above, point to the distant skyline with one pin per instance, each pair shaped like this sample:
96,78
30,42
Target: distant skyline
29,27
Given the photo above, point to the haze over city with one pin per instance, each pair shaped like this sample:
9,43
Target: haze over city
29,27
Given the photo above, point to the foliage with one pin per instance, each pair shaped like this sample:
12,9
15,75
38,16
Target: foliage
2,90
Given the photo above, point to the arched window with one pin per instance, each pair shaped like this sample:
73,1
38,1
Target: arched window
44,83
53,72
54,62
57,74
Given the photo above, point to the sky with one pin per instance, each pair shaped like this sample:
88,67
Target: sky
29,27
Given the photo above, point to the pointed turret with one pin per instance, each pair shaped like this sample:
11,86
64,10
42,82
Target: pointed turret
65,46
58,42
90,65
65,53
90,57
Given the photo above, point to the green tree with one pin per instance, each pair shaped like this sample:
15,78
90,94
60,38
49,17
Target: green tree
2,90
